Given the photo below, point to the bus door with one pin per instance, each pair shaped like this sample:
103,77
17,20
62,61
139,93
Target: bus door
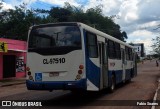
123,64
103,65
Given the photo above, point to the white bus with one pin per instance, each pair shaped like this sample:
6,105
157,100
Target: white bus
74,56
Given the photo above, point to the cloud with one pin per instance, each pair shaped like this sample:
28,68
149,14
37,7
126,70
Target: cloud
110,7
139,18
148,11
7,6
128,12
142,36
138,12
60,2
149,24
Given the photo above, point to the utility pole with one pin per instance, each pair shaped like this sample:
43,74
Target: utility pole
57,35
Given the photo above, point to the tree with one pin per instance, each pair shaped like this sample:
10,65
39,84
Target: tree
61,14
15,23
92,17
12,23
1,4
156,45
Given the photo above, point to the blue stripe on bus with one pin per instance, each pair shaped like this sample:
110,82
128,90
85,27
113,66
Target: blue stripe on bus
118,76
49,85
93,72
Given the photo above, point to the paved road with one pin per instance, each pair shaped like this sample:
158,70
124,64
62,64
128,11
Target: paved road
140,88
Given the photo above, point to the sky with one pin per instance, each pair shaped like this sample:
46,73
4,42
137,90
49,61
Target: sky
138,18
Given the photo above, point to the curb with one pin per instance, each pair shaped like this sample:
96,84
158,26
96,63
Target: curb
155,95
10,84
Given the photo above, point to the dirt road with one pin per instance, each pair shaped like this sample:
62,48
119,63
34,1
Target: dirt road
140,88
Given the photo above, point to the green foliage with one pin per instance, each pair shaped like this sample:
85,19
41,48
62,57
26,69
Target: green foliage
156,45
15,22
0,5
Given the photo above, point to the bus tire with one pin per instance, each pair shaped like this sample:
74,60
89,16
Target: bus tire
113,84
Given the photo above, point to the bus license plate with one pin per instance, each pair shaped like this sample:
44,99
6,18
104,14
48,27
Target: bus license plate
51,74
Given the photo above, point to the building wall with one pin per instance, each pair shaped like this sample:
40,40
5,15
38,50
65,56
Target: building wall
1,67
21,56
18,55
140,50
18,49
15,45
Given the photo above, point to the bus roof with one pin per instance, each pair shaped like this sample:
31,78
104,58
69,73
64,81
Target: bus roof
93,30
88,28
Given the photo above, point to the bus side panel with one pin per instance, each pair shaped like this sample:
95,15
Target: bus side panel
93,75
92,71
115,68
128,70
134,65
118,75
128,74
56,85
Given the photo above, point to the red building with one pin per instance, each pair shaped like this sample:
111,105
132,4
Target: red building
12,58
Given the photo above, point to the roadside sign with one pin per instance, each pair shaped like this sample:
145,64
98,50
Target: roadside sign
3,47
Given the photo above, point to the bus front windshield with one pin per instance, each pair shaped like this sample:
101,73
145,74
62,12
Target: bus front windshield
54,36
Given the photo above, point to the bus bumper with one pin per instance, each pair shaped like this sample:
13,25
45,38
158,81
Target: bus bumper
65,85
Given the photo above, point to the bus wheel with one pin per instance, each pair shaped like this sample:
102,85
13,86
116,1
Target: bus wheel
113,84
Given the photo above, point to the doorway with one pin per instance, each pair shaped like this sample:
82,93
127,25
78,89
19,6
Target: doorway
103,64
9,66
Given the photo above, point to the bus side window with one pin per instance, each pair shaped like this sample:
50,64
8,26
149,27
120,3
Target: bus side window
111,49
127,53
118,50
130,54
92,45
